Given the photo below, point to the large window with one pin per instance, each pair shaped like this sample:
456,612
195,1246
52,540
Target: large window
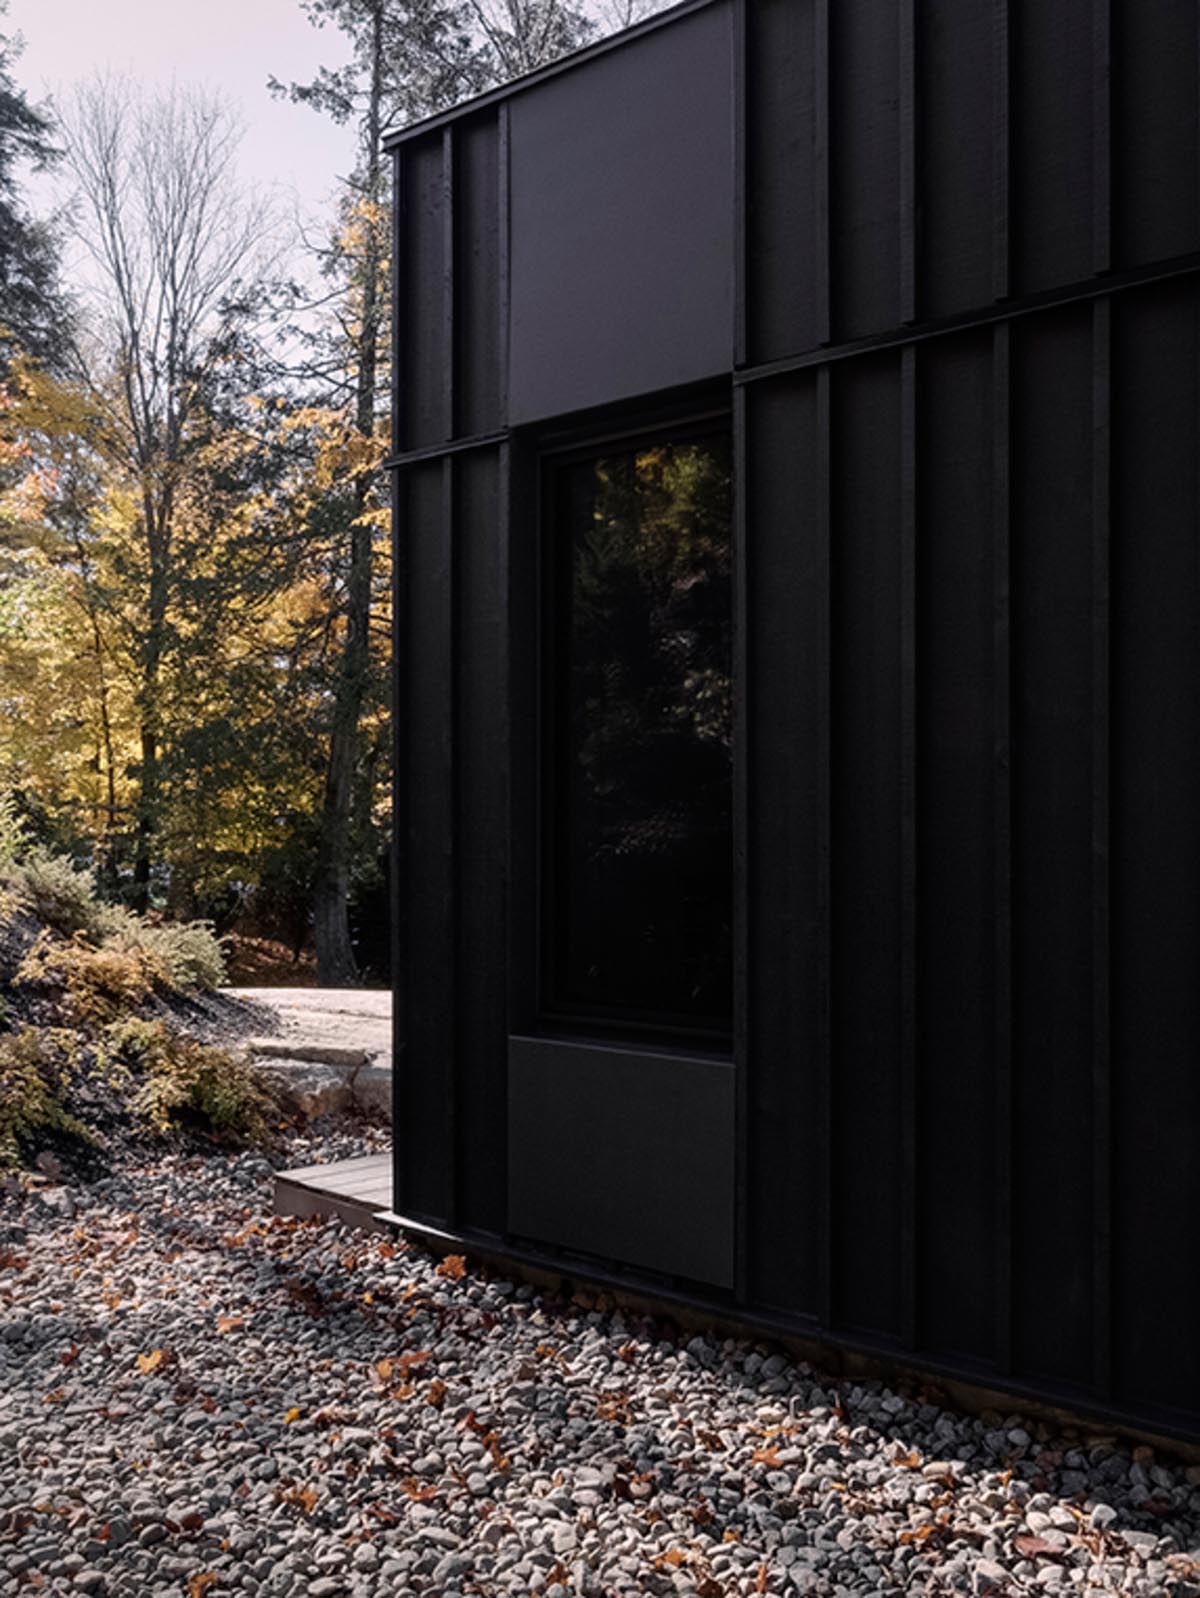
638,851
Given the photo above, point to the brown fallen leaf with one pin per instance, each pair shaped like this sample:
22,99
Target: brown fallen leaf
292,1416
760,1584
229,1323
709,1587
1031,1547
412,1488
70,1356
764,1456
436,1393
454,1266
200,1582
147,1364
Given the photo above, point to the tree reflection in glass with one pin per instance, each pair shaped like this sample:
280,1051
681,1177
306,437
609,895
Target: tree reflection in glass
641,859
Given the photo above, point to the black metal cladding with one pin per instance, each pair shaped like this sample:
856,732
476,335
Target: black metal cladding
939,262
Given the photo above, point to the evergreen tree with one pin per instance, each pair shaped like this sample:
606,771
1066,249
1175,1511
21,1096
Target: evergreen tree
30,310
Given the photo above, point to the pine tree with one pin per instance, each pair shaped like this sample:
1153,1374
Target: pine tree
30,309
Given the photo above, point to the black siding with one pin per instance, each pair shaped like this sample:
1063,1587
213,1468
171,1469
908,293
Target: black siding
945,279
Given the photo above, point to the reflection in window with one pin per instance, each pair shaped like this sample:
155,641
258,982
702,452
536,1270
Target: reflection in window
640,878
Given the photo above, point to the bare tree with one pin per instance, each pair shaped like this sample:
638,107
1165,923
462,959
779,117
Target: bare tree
177,252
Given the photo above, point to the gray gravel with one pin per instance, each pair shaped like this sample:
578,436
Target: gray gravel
198,1399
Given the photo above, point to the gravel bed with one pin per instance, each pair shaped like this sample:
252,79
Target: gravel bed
198,1399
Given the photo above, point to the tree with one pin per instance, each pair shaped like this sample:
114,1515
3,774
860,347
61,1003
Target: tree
30,308
178,269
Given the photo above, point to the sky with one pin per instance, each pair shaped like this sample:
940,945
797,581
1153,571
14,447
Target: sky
233,45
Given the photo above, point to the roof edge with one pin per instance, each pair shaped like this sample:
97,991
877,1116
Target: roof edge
396,137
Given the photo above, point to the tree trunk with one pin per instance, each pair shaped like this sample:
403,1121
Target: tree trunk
336,964
148,716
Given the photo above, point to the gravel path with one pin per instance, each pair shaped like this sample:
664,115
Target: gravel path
197,1399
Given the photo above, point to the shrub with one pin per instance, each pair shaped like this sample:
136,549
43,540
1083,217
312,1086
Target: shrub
33,1075
189,954
98,985
183,1081
60,894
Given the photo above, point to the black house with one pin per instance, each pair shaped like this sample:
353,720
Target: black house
797,461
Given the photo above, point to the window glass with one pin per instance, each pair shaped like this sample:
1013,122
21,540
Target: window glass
640,869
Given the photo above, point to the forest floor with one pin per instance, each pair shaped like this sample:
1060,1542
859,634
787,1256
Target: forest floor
200,1398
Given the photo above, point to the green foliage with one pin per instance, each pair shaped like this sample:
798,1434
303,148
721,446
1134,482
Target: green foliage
188,956
188,1083
30,307
60,894
33,1081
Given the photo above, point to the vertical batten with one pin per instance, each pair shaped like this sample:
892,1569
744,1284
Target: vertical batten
1002,840
400,760
908,843
1102,183
741,146
451,868
821,179
742,848
1102,1165
449,330
504,254
908,162
823,493
1001,150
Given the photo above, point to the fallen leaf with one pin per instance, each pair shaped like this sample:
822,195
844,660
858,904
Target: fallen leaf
304,1498
292,1416
70,1356
707,1587
761,1584
454,1266
764,1456
200,1582
147,1364
56,1397
731,1535
229,1323
413,1489
1031,1547
673,1556
436,1393
908,1461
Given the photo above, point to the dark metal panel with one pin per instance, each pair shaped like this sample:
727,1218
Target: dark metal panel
424,264
909,798
787,593
956,773
1001,686
1156,846
782,250
621,215
1052,126
450,272
1156,93
424,1126
864,55
477,346
866,854
481,987
956,169
623,1154
1052,856
1101,828
744,841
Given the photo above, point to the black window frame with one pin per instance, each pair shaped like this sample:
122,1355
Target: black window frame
624,1025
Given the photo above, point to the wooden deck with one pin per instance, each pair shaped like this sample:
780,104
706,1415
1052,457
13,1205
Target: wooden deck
358,1191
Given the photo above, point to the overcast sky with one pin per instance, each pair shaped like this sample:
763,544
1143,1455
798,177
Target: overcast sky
234,45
